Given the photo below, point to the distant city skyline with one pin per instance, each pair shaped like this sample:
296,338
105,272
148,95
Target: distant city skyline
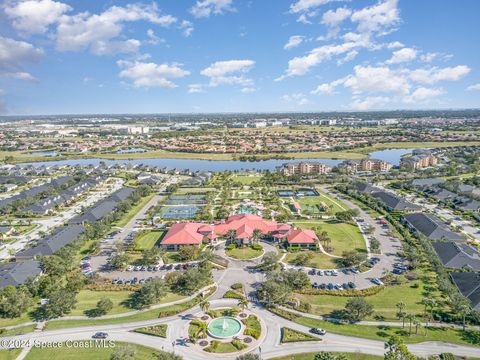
221,56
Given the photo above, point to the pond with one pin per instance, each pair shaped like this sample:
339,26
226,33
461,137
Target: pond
392,156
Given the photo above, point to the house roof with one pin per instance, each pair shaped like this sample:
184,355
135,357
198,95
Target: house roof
16,273
469,285
457,256
183,234
394,202
366,188
431,226
427,182
302,237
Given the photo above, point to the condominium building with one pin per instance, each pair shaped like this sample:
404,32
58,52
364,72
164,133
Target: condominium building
419,160
305,168
367,165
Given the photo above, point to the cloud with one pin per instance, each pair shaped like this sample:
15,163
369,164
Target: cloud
301,65
423,94
382,17
377,79
248,90
370,102
307,5
474,87
333,18
229,72
35,16
349,57
402,55
297,98
99,33
428,57
13,54
195,88
323,89
187,28
293,42
205,8
154,39
435,74
150,74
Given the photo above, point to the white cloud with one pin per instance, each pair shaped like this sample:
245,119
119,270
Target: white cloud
349,57
474,87
422,94
35,16
248,90
297,98
229,72
293,42
150,74
307,5
205,8
333,18
304,19
100,33
153,38
370,102
323,89
302,64
195,88
394,45
187,28
377,79
428,57
381,17
435,74
13,54
402,55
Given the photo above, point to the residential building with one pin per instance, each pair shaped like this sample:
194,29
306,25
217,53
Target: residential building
17,273
305,239
368,165
305,168
457,255
469,285
418,160
392,202
430,226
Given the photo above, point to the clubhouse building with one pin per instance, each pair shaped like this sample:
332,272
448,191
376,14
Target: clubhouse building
240,229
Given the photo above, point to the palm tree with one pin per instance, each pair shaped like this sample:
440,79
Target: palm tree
231,234
464,310
410,318
204,306
417,324
243,303
401,312
256,235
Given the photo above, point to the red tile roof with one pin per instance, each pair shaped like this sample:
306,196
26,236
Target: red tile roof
183,234
302,237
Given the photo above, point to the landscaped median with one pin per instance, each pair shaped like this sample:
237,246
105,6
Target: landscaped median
383,332
157,330
244,253
161,312
292,335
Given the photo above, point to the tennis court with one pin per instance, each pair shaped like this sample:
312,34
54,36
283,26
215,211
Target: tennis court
187,199
179,212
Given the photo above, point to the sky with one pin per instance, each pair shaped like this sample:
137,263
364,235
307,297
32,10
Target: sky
183,56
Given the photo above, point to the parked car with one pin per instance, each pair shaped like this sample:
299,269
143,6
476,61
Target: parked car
320,272
311,272
100,335
352,285
377,281
334,272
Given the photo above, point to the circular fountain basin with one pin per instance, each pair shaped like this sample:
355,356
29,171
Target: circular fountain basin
224,327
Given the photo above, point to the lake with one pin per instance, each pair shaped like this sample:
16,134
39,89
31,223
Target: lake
392,155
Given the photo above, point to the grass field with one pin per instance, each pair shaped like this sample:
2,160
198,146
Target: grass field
87,300
319,260
383,302
310,356
344,236
145,240
245,253
334,205
134,210
414,145
245,178
10,354
18,331
94,353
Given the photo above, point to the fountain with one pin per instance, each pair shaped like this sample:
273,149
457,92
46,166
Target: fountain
224,327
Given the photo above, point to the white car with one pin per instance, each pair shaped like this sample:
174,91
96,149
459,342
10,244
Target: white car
377,281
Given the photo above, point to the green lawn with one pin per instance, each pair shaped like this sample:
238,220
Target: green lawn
310,356
244,253
333,205
383,302
145,240
94,353
344,236
134,210
245,178
17,331
10,354
87,300
157,330
292,335
25,317
319,260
